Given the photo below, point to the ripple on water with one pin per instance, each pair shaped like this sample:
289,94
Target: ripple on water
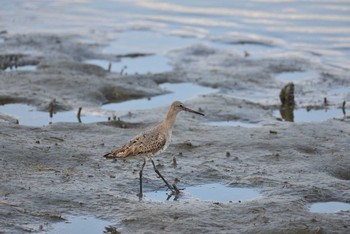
138,65
209,192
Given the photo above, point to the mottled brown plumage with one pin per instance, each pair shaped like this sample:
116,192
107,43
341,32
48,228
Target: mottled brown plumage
152,142
148,143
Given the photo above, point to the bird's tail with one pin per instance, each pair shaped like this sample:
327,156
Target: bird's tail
119,153
109,155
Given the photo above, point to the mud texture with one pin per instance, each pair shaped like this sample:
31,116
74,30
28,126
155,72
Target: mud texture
51,172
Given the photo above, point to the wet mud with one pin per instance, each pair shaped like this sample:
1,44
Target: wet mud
57,171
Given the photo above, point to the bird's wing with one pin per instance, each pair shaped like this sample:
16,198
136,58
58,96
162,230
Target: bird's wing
150,142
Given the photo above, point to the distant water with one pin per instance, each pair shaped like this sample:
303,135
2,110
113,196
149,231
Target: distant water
317,28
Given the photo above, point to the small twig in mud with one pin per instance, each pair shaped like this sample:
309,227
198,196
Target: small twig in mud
246,54
4,203
343,108
177,191
325,103
78,114
122,70
109,67
134,55
174,162
52,107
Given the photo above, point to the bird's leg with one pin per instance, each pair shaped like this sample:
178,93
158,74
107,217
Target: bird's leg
174,190
140,195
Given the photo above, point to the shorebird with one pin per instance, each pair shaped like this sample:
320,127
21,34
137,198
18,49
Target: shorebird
152,142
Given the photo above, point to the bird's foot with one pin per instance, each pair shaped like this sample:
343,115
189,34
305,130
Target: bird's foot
176,191
140,195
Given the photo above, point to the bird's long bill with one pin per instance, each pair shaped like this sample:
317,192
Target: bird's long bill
190,110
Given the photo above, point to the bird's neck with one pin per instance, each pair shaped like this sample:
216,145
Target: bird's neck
170,120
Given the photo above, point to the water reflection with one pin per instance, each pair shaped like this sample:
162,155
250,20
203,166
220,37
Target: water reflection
29,116
80,224
307,115
287,102
21,68
208,192
287,113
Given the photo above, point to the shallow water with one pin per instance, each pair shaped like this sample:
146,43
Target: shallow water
146,41
29,116
317,28
297,76
303,116
329,207
22,68
232,123
79,224
209,192
139,65
180,92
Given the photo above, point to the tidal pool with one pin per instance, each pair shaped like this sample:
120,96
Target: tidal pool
209,192
29,116
302,115
296,76
179,91
232,123
21,68
329,207
80,224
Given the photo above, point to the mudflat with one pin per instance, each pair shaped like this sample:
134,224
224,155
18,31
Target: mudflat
57,171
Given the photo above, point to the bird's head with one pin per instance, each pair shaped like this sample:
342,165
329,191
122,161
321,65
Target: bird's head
179,106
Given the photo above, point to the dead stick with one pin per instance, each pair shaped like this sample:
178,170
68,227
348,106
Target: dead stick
109,67
140,195
78,114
